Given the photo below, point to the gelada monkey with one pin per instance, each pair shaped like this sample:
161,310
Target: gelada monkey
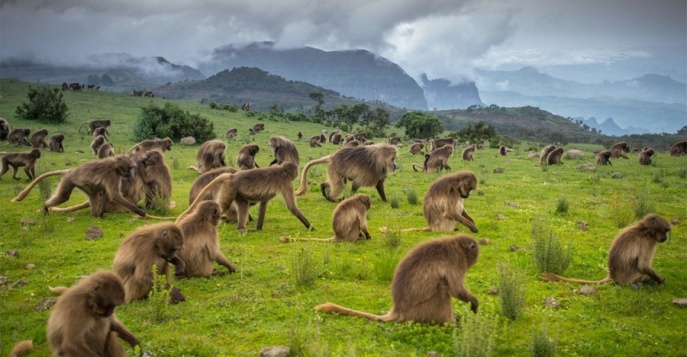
349,221
424,282
631,253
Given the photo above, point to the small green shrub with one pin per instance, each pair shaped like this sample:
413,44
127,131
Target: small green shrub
478,333
171,121
160,205
542,344
562,206
392,238
682,173
411,196
549,252
159,296
511,291
45,105
303,267
622,210
44,186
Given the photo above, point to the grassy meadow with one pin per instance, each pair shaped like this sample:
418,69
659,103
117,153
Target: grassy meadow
270,299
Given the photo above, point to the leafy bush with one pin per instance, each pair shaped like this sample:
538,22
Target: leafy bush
171,121
411,196
511,291
644,205
550,254
420,125
303,268
562,206
45,104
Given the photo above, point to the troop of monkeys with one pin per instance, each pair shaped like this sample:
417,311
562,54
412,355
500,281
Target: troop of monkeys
424,281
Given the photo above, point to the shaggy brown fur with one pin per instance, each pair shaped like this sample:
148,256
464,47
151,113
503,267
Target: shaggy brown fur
365,166
97,142
284,150
678,148
603,158
17,137
21,159
619,150
152,144
545,153
645,156
55,143
94,124
349,221
469,153
436,160
554,157
201,241
38,139
106,150
210,156
245,158
424,282
156,244
631,254
82,322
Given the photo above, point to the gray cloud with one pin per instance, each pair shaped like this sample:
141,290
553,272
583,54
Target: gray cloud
443,38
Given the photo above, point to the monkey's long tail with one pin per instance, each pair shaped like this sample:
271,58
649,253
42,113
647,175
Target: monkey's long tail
304,176
387,230
416,166
555,277
81,126
289,239
70,208
199,198
59,290
330,307
193,168
22,195
22,348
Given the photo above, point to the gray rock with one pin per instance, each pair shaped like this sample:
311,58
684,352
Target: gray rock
587,290
45,304
27,222
532,154
551,303
19,283
582,225
484,241
494,291
93,233
275,351
586,167
500,217
574,154
499,170
30,266
189,140
4,280
12,253
617,175
514,247
675,222
681,302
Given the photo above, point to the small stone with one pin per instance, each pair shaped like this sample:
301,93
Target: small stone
582,225
494,291
532,154
675,222
276,351
30,266
12,253
79,151
586,167
19,283
500,217
587,290
499,170
45,304
27,222
514,247
617,175
574,154
511,204
432,354
4,280
71,219
484,241
480,193
551,302
188,140
680,302
93,233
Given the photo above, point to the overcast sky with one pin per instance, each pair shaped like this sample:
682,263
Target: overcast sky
442,38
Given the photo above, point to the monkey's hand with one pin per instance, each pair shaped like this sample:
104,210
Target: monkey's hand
473,305
176,296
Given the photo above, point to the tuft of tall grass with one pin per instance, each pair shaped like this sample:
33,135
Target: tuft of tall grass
658,176
622,210
384,265
175,163
644,205
562,205
550,254
478,333
542,344
411,196
511,291
395,202
682,173
44,187
303,267
160,205
392,238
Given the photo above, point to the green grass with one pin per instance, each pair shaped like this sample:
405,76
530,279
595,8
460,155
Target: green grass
262,304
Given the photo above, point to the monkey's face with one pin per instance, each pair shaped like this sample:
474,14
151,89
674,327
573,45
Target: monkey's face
105,297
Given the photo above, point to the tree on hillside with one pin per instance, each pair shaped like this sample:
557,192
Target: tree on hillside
45,104
480,131
171,121
319,113
420,125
